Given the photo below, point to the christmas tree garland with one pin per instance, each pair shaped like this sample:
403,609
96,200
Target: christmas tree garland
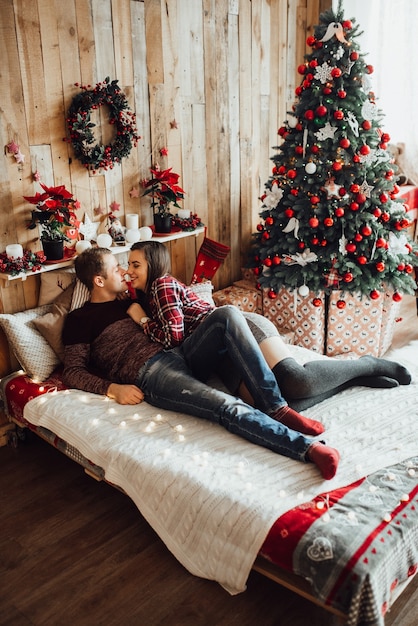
95,156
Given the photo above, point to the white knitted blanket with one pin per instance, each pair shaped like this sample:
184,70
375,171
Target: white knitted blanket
211,496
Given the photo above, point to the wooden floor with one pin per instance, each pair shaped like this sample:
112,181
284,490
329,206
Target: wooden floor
74,551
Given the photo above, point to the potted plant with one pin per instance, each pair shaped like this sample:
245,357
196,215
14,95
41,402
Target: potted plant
55,214
164,191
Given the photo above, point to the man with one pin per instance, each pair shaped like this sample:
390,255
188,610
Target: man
107,353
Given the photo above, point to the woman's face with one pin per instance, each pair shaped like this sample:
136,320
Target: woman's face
138,269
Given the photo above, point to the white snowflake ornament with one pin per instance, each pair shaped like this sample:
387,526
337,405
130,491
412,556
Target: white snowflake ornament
323,72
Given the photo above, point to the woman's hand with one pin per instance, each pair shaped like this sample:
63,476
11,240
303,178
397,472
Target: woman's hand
125,394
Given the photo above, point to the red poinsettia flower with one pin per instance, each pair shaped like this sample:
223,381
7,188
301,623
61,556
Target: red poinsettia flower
54,211
164,189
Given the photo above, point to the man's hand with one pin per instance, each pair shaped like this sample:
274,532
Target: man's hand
125,394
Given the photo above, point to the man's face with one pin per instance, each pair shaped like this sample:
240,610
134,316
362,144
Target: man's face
114,281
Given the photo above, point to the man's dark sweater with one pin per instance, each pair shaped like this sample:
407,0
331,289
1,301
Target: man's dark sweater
103,345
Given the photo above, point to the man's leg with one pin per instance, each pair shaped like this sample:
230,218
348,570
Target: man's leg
225,331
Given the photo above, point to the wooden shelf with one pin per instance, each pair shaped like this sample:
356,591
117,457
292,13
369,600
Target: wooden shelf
115,249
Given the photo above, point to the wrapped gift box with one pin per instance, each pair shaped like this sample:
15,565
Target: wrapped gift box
355,328
289,311
243,298
390,314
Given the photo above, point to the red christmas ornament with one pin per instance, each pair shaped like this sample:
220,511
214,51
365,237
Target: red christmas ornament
354,55
260,228
265,235
366,230
314,222
385,217
327,91
289,212
336,72
401,267
377,212
302,69
340,304
364,149
315,149
317,302
301,245
309,115
339,211
328,222
299,150
351,247
397,297
294,192
291,174
380,266
315,200
341,94
267,262
313,63
374,295
348,277
389,174
272,294
354,188
358,237
347,24
408,268
380,242
337,166
314,241
383,198
321,110
338,115
311,41
362,260
344,143
366,125
282,131
361,198
354,206
342,192
269,221
276,260
369,69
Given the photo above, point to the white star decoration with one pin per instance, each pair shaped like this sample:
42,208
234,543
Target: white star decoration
88,229
332,188
366,188
327,132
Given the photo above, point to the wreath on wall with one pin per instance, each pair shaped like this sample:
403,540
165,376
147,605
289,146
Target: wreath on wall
92,155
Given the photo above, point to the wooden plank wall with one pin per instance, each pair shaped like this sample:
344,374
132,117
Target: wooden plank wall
211,80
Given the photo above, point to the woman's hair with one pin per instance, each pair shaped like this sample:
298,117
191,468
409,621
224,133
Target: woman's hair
157,258
90,264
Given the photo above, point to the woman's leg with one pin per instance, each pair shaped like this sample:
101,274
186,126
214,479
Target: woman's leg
310,383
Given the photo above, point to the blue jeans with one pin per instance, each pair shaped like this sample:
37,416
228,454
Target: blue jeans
168,382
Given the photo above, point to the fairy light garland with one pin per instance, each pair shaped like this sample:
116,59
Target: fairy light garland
95,156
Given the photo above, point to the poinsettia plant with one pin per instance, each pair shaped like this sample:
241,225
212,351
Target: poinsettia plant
54,212
164,190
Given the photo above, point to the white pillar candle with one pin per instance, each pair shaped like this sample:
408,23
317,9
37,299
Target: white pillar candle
14,250
132,221
183,214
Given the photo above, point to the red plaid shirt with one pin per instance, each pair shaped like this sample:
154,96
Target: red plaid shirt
175,311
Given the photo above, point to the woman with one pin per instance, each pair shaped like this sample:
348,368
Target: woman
169,312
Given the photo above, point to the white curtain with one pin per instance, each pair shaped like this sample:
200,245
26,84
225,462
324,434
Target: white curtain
389,37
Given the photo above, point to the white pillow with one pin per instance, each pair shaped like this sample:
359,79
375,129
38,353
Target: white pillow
54,283
33,352
204,291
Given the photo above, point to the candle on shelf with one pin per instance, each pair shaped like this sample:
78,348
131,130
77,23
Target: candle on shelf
14,251
183,214
82,245
132,221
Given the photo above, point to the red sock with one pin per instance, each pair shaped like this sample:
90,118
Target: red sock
325,458
296,421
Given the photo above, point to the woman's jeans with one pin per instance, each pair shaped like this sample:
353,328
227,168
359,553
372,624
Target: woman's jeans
169,381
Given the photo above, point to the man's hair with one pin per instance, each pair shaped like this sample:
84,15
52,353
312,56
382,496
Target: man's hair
89,264
157,257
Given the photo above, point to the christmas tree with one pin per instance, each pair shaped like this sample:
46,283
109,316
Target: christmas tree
330,216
